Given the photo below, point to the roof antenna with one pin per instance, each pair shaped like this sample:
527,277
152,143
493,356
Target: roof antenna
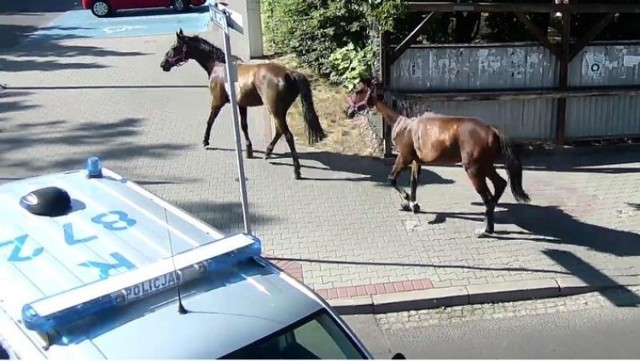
181,309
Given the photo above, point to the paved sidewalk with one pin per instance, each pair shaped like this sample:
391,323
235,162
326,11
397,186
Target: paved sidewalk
340,230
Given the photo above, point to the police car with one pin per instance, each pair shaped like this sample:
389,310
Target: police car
96,267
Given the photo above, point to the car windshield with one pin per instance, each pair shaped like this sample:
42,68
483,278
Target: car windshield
315,337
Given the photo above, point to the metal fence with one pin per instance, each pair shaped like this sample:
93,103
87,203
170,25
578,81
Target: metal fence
514,86
612,64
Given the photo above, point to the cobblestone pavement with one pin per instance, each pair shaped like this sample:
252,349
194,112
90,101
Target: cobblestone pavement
340,229
412,319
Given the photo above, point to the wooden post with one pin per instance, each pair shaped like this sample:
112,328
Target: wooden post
565,56
538,33
385,66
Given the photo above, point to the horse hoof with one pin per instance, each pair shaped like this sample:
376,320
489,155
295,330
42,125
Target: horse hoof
482,233
405,207
298,176
205,144
249,155
415,207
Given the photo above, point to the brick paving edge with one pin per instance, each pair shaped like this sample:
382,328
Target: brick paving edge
477,294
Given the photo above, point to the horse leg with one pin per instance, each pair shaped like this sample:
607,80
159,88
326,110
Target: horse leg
288,136
479,181
413,184
215,110
269,150
245,130
499,185
401,163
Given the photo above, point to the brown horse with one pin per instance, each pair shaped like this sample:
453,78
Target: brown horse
267,84
444,139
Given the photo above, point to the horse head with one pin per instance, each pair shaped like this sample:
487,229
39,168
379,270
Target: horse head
193,47
179,53
363,97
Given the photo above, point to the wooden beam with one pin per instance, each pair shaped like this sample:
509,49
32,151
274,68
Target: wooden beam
522,7
386,80
589,36
538,33
406,43
563,81
521,94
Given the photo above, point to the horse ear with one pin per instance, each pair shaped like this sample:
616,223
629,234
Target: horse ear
181,33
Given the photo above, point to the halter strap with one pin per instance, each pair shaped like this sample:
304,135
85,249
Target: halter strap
364,102
178,60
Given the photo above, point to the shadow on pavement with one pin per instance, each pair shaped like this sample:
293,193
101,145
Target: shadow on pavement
417,265
225,216
371,169
23,17
565,229
635,206
11,101
25,56
111,137
621,297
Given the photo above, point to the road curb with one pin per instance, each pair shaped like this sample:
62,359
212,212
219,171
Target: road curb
478,294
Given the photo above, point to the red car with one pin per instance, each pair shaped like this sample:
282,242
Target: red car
103,8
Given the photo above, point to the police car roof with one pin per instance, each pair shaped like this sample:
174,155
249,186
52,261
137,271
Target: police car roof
116,226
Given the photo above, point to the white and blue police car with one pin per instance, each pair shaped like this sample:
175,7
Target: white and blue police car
96,267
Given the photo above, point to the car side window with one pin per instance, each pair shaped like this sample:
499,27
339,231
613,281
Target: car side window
313,337
324,339
317,337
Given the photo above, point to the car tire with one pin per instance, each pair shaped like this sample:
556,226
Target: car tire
180,6
101,8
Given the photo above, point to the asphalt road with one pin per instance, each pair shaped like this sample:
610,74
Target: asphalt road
584,327
21,17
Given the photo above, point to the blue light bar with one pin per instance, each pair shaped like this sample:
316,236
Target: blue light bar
94,167
73,305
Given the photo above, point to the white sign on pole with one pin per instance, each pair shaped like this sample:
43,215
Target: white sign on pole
225,19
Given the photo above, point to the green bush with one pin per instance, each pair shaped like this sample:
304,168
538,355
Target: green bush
348,65
313,30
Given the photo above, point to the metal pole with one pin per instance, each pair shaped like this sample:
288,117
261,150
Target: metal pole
231,83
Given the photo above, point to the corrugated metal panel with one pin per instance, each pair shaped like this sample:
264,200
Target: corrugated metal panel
601,65
519,119
449,68
615,64
602,117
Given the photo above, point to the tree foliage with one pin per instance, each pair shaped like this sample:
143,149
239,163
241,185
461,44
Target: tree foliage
330,36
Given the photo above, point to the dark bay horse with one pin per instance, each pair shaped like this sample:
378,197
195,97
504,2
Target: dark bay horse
445,139
269,84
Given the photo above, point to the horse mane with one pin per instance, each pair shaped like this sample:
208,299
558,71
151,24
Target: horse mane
431,114
216,53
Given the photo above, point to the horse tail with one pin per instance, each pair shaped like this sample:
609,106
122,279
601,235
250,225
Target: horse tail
514,168
311,121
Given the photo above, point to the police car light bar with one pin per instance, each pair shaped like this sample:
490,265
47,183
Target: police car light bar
78,303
